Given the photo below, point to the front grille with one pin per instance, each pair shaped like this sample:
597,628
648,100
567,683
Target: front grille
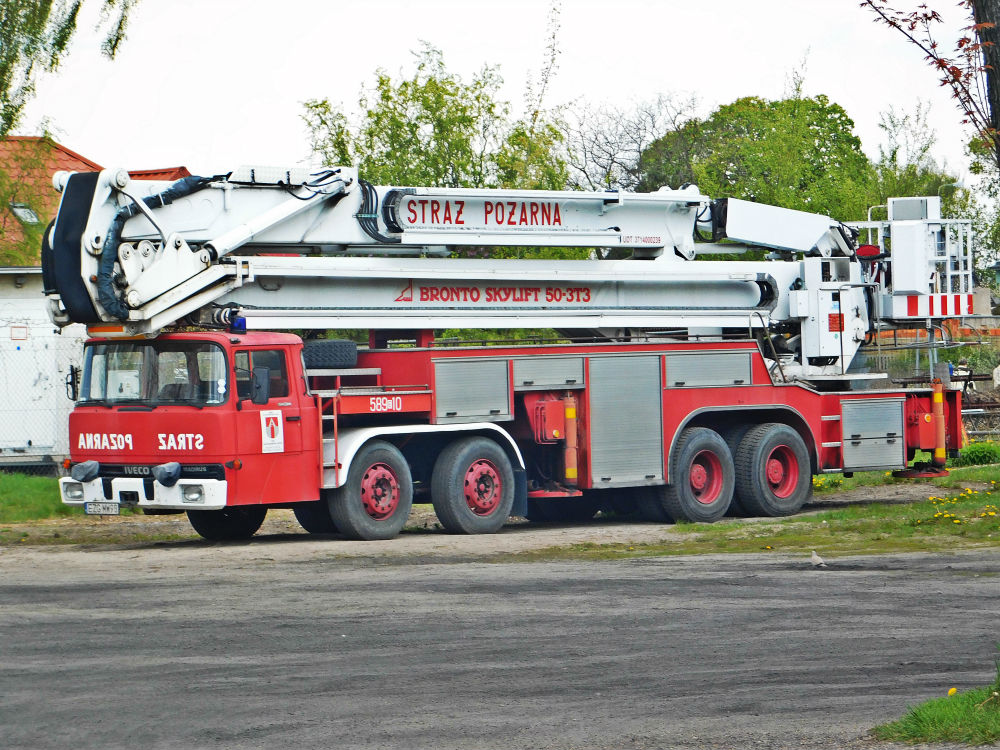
188,471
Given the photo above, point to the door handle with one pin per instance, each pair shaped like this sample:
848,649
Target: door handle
293,419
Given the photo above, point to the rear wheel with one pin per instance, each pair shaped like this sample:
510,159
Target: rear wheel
773,473
733,437
701,477
375,501
563,510
315,517
649,501
230,524
472,486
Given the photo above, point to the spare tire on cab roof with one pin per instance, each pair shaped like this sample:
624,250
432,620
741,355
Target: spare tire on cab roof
330,354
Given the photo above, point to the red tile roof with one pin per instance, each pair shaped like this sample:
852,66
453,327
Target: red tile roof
29,162
167,173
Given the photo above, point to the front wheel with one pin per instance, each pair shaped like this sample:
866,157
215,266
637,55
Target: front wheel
315,517
701,477
375,501
472,486
229,524
773,474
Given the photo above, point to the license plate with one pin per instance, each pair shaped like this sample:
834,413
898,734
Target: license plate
100,509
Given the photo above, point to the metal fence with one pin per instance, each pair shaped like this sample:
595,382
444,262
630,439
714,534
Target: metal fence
35,363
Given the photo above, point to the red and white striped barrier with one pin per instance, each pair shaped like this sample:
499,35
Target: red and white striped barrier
932,306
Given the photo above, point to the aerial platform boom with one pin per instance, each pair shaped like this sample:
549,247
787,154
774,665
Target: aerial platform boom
291,249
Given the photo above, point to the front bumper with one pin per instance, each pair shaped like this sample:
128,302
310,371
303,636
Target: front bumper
131,492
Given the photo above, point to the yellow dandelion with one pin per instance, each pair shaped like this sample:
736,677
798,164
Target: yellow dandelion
956,521
952,691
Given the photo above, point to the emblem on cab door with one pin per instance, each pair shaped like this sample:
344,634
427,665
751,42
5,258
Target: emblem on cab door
272,434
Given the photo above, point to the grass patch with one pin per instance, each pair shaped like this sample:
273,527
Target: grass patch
958,478
943,522
28,498
972,717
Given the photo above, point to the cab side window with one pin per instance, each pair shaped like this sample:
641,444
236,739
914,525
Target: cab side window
273,359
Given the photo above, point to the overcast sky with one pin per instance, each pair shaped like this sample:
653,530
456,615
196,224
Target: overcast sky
212,84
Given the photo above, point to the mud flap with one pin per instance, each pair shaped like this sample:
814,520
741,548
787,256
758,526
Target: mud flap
520,507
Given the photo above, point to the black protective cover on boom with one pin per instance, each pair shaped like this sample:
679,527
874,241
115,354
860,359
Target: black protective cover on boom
61,262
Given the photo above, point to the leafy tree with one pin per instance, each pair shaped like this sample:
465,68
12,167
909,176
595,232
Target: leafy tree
20,240
796,152
905,165
34,34
436,129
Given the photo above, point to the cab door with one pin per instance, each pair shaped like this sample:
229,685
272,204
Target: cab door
276,466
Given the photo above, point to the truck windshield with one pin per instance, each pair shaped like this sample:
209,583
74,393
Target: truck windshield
154,372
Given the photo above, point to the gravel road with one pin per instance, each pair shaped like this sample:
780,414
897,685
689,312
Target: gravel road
275,644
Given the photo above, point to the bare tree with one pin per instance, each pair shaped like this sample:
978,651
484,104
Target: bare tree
970,71
604,145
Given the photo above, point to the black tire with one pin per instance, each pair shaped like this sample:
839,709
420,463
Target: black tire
621,502
773,472
733,437
702,477
315,517
236,523
649,502
330,354
472,486
376,499
563,510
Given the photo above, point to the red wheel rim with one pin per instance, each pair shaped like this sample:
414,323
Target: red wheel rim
782,471
483,487
380,491
705,477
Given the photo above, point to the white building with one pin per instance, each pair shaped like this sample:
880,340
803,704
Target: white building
36,362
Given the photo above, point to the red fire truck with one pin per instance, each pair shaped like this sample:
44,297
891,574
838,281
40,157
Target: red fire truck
679,387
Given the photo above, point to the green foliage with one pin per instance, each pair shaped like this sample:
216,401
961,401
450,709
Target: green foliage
20,241
798,153
905,165
978,454
971,717
979,359
436,129
34,34
27,498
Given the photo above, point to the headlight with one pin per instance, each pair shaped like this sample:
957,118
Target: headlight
73,491
192,493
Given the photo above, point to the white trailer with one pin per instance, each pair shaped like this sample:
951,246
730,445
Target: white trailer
37,363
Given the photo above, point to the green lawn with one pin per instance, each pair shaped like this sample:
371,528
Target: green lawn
972,717
28,498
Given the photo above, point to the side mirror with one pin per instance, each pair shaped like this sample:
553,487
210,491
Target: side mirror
73,383
260,388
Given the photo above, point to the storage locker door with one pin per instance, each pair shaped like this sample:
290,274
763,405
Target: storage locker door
626,423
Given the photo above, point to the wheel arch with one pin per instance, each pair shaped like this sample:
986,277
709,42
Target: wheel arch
411,439
721,417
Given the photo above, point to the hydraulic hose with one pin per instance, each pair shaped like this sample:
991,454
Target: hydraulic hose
106,293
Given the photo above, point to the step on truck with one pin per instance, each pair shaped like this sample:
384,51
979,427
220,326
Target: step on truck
671,385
